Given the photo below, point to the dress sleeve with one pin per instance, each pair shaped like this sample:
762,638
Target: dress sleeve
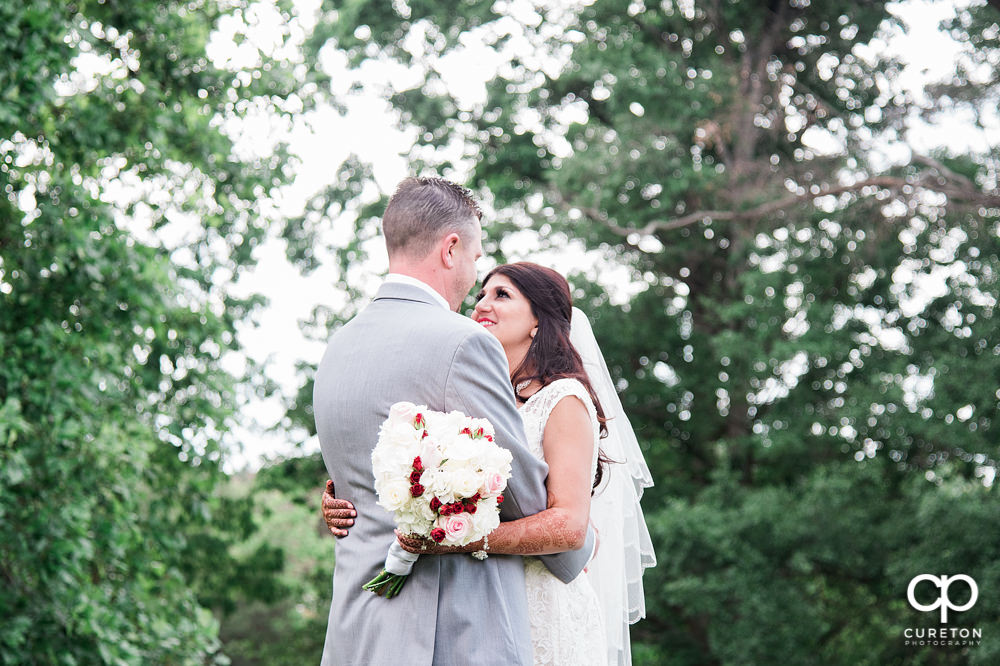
564,388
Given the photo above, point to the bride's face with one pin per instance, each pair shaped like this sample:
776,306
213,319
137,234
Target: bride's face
506,313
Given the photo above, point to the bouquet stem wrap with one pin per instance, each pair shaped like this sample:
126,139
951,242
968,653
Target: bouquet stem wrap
398,565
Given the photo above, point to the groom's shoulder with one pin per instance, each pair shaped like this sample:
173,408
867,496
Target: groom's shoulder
458,335
456,329
413,321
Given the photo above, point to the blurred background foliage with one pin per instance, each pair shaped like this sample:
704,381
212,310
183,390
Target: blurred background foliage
806,346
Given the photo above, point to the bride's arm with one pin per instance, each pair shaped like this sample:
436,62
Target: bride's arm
568,447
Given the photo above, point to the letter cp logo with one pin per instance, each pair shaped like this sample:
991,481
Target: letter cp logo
943,602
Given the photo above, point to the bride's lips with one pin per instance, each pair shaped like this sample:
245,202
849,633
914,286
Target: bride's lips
486,322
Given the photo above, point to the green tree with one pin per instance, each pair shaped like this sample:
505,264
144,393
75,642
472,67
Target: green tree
127,212
810,360
287,626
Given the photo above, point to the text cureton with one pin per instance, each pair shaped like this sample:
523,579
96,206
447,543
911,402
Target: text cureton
942,632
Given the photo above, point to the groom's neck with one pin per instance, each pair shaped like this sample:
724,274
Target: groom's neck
434,277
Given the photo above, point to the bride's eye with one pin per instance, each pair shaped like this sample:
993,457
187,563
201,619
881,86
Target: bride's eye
479,296
502,293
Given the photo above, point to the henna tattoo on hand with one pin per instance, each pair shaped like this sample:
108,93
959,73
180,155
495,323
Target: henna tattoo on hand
550,531
337,513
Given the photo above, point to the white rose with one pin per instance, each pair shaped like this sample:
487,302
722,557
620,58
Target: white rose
485,519
465,482
430,456
461,448
394,494
399,434
498,459
455,421
405,412
393,460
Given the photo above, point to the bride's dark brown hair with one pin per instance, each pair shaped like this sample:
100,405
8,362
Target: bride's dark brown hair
551,355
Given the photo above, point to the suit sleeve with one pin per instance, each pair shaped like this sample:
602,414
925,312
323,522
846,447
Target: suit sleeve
478,384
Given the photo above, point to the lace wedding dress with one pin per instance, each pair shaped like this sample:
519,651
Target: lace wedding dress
566,623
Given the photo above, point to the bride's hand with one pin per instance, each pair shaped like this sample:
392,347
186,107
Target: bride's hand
338,513
421,546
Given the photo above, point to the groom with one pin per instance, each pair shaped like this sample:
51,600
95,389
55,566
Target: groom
410,344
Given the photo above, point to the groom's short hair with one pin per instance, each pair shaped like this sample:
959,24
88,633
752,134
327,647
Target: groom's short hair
423,210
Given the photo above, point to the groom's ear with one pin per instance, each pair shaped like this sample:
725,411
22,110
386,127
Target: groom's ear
449,245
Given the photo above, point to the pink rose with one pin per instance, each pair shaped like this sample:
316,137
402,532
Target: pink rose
493,483
458,526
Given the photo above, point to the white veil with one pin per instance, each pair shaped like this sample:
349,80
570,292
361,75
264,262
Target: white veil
625,549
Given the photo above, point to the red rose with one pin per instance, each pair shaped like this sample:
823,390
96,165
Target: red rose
475,498
470,507
489,438
435,504
479,432
415,476
423,436
499,499
438,534
416,490
417,464
419,421
465,431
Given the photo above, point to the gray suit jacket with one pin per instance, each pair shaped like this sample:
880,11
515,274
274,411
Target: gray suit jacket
453,609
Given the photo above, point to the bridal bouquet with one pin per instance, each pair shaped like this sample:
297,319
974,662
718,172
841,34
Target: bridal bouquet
441,475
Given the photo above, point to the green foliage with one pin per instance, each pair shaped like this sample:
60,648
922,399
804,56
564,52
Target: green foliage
287,625
810,362
124,215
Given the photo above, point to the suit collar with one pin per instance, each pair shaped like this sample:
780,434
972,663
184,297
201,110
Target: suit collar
405,292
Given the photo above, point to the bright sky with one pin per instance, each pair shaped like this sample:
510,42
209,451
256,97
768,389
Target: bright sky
321,140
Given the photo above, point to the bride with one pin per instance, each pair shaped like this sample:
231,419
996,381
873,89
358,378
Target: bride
574,421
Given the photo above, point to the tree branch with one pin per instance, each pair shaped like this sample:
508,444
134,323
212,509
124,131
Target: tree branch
942,169
882,182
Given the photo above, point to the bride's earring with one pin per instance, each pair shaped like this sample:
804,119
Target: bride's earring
521,386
